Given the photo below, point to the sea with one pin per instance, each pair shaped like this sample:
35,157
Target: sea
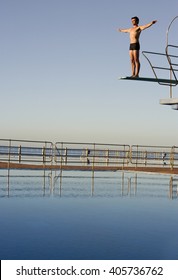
88,216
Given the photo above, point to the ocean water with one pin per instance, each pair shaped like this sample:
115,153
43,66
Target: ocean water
75,216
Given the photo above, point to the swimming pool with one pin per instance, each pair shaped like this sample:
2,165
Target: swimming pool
112,216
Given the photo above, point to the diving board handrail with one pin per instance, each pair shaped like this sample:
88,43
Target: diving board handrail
168,29
173,67
165,82
169,58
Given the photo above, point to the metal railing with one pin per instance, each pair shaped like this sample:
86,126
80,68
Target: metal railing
172,62
23,151
170,69
154,156
70,154
67,153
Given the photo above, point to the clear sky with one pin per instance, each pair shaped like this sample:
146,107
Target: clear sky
59,70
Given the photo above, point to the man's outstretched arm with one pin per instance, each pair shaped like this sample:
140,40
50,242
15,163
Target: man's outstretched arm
142,27
123,30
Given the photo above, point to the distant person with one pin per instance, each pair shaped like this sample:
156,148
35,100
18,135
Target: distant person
164,157
135,32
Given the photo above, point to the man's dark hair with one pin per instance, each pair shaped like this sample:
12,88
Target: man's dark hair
136,18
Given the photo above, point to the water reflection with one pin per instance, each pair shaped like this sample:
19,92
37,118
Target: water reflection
87,184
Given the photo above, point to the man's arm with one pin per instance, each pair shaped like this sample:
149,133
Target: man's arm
142,27
123,30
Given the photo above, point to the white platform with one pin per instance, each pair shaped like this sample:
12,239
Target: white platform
170,101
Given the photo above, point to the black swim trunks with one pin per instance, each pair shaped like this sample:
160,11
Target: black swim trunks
134,46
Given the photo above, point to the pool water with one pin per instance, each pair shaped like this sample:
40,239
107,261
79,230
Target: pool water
111,217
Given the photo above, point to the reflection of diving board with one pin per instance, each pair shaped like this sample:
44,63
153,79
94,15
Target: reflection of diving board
157,80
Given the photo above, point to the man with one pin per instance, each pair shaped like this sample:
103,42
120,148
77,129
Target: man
135,32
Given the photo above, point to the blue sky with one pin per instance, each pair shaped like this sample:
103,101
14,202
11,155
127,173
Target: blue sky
59,70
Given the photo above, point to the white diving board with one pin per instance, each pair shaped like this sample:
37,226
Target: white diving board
143,79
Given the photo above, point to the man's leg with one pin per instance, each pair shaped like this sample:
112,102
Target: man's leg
132,60
137,62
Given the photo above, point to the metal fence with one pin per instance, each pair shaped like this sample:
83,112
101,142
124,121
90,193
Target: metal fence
67,153
22,151
154,155
86,154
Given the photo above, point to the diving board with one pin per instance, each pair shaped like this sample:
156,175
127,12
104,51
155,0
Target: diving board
144,79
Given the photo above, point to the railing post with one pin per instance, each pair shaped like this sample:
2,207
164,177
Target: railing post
66,155
54,158
61,151
130,155
172,158
61,168
123,162
44,154
137,156
93,167
8,171
145,158
20,153
44,161
107,157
